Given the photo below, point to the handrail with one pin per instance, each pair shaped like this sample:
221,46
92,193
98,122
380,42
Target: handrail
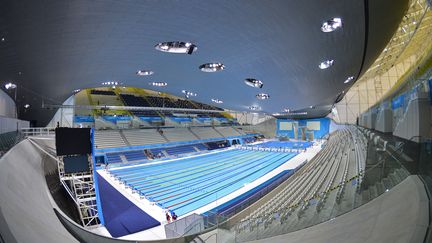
251,224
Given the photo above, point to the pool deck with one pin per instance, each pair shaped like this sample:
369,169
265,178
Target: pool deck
159,214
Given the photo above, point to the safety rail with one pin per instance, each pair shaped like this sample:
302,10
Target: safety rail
372,180
38,131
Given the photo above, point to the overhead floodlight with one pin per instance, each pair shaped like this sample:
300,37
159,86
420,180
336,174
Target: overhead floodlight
331,25
217,101
326,64
262,96
254,83
254,108
349,79
112,83
188,93
179,47
26,106
212,67
144,72
10,86
158,84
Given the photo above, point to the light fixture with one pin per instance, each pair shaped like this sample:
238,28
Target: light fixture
212,67
159,84
286,110
276,114
77,90
188,93
262,96
311,107
10,86
298,113
112,83
179,47
349,79
254,83
26,106
144,72
331,25
254,108
326,64
3,39
217,101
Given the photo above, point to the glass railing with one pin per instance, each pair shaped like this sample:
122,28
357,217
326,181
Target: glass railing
383,170
8,140
352,193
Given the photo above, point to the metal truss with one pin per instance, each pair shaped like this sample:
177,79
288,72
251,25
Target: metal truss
410,44
80,187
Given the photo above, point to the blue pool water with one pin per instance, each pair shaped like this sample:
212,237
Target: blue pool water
187,184
284,144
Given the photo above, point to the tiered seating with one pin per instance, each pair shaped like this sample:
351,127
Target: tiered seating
102,99
108,139
185,149
135,155
228,131
101,92
113,158
205,132
249,140
201,147
329,169
132,100
178,134
143,137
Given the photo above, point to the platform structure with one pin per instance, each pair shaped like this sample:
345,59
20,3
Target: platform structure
81,188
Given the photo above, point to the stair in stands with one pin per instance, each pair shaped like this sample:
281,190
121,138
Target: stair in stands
190,130
124,138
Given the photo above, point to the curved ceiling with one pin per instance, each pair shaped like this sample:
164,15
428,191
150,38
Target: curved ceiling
53,47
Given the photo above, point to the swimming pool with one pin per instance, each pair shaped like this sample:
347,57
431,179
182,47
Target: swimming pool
284,144
187,184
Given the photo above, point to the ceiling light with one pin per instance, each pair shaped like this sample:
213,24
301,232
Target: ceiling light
176,47
26,106
254,108
77,90
10,86
262,96
331,25
298,113
311,107
326,64
111,83
144,72
349,79
217,101
188,93
254,82
286,110
212,67
3,39
159,84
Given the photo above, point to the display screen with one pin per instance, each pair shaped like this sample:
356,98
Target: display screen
76,164
73,141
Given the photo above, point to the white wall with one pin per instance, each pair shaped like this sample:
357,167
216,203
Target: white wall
64,115
7,105
11,124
